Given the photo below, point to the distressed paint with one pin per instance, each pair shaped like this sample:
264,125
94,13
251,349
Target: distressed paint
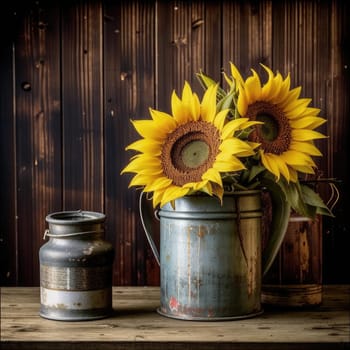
204,273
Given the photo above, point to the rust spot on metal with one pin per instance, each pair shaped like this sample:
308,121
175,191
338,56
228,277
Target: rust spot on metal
200,234
202,231
173,304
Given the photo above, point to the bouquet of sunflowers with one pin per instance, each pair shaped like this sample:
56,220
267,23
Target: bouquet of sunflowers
248,136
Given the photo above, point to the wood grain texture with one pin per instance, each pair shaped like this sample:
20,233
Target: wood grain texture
82,142
299,260
136,325
37,134
8,233
129,92
74,74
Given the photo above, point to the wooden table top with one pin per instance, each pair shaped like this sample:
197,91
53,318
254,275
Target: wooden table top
135,324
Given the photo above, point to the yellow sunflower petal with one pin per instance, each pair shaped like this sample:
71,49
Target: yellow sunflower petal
254,145
220,119
157,197
275,88
187,94
176,109
173,192
306,135
196,186
283,93
157,184
266,89
143,165
236,146
300,104
253,88
139,180
307,122
304,169
270,164
218,191
293,175
292,158
284,170
250,124
196,108
229,81
233,125
311,111
305,147
297,113
145,146
208,189
242,105
234,164
213,175
208,106
236,74
282,166
293,95
190,102
163,120
223,157
148,129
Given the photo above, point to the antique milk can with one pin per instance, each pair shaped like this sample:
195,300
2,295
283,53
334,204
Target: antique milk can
75,267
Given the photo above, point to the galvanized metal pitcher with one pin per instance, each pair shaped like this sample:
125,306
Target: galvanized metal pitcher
210,256
76,267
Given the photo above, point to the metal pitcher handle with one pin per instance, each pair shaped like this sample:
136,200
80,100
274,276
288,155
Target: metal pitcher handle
281,210
146,221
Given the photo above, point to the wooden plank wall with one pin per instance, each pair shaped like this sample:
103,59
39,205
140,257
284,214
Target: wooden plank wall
73,74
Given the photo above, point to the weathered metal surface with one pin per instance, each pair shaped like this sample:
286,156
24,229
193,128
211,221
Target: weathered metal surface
210,257
76,268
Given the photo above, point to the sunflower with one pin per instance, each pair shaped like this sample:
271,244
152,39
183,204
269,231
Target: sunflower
187,151
287,134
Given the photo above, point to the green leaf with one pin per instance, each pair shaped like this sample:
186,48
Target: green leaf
291,192
313,199
324,211
225,103
303,199
255,170
204,80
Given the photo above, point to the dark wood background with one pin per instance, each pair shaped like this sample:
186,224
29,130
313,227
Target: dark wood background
74,73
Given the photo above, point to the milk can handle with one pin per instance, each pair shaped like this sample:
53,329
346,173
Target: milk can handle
146,221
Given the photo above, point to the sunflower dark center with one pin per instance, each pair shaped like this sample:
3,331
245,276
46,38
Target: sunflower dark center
275,134
189,151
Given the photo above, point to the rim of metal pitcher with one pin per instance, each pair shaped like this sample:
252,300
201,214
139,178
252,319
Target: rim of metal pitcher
75,217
